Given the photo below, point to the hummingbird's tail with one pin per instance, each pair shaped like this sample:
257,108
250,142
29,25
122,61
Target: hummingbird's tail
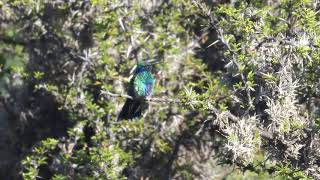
132,109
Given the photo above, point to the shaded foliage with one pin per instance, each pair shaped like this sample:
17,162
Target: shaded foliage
238,83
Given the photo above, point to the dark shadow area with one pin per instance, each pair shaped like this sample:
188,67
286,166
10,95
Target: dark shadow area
190,152
38,118
31,115
212,55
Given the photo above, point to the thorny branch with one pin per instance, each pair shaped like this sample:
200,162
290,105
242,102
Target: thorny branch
222,39
213,110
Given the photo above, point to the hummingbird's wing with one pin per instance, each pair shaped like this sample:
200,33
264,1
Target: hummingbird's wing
140,86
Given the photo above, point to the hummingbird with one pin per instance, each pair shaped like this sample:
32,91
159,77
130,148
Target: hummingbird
140,87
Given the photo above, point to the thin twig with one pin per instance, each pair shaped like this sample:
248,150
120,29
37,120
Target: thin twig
150,99
213,110
116,95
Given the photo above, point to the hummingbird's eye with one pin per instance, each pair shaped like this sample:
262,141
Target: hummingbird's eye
149,68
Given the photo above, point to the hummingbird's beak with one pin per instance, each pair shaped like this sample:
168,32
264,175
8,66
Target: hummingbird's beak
151,62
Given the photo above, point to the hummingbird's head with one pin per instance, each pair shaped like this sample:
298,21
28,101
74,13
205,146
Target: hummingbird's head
146,65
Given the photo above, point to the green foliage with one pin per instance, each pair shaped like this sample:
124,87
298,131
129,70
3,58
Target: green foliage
261,168
38,158
318,123
12,63
254,89
284,170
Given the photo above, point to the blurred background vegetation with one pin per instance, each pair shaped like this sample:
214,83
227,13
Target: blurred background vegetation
245,74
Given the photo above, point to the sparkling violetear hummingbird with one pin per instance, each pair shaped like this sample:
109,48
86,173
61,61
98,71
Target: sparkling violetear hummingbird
140,87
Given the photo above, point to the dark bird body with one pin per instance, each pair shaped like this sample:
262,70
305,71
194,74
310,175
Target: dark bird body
140,87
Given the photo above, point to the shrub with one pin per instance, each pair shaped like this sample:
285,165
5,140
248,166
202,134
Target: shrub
238,85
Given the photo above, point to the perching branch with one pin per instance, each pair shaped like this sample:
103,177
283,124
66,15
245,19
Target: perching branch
150,99
230,116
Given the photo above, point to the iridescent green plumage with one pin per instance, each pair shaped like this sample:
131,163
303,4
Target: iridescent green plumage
143,83
141,86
